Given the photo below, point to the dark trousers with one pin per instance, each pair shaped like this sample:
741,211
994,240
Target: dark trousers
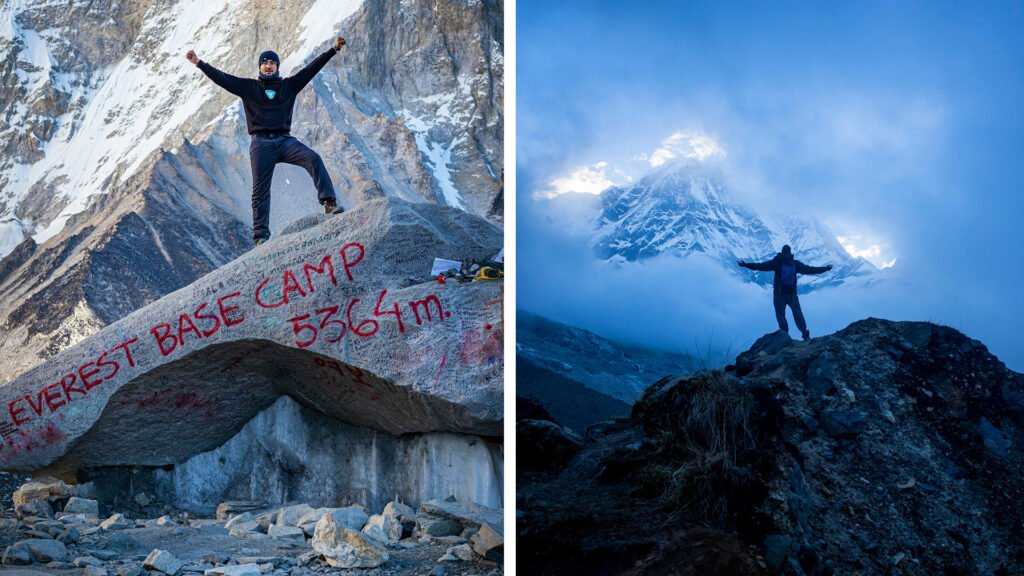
781,300
264,153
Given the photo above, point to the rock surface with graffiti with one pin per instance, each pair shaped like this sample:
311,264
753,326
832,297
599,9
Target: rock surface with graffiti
324,315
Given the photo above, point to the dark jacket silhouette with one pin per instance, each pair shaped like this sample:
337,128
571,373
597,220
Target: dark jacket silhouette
786,295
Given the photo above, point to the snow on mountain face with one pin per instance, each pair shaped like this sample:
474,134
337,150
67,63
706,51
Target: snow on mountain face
124,171
75,126
684,208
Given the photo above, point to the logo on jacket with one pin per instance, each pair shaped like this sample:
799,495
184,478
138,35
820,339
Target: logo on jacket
270,94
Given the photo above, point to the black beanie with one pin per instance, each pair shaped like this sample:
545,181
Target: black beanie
269,54
786,249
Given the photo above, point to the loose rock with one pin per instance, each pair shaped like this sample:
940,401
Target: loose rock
45,550
162,561
489,543
117,522
346,548
78,505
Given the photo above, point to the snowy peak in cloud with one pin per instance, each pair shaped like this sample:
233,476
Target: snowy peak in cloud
685,208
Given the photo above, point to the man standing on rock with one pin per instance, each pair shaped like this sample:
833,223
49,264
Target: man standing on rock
268,102
784,284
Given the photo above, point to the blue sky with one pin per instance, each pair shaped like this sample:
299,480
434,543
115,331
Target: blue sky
901,125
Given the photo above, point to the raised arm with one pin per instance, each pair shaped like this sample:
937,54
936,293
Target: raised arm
802,268
766,266
232,84
302,77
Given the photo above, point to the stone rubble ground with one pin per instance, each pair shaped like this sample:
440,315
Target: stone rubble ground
52,529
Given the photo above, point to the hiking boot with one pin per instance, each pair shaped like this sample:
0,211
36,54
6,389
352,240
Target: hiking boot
807,335
260,241
331,208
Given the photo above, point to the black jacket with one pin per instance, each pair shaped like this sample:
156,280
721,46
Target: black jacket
263,113
774,264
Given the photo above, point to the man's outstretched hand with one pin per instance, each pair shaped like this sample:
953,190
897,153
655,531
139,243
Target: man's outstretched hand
191,57
339,43
742,264
828,267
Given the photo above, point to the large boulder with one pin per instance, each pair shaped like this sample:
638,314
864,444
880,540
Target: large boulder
346,548
325,315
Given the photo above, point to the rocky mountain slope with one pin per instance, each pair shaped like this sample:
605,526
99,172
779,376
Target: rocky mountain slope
124,172
613,369
885,448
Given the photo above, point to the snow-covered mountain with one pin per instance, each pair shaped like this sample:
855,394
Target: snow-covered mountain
124,171
684,208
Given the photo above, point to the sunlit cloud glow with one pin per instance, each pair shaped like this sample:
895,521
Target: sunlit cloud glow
861,247
591,179
686,145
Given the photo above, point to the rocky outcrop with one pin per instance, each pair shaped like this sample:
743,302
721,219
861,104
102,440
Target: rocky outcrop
320,315
888,447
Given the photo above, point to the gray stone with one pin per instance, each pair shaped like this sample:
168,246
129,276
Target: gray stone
83,561
69,535
227,510
165,521
465,513
117,522
78,505
143,499
162,561
94,571
438,571
351,517
287,533
463,552
15,555
489,543
438,526
823,374
346,548
383,528
45,550
290,515
81,519
842,423
399,510
37,508
251,529
239,519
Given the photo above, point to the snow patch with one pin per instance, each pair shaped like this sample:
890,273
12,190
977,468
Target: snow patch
319,26
438,157
12,233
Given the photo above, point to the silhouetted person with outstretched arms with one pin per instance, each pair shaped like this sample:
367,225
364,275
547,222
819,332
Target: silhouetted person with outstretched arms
784,283
268,102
